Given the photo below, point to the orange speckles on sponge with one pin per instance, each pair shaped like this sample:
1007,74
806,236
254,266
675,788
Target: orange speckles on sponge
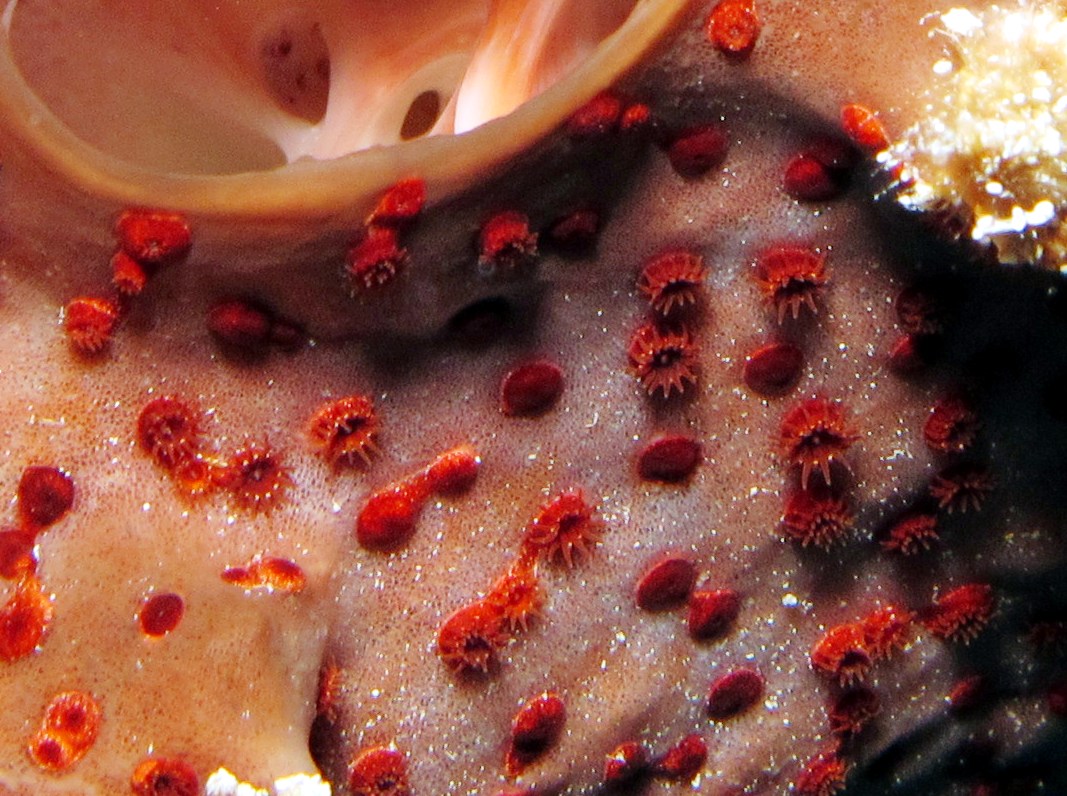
90,323
345,431
24,619
535,730
68,730
672,280
791,277
733,26
815,434
379,771
153,236
165,776
564,528
663,360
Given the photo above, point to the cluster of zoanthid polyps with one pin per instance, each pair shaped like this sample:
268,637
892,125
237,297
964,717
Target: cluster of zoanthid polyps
709,483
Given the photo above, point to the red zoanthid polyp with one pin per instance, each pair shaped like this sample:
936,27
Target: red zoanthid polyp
734,693
699,469
161,613
375,259
791,278
733,26
842,654
517,594
683,761
535,730
345,431
664,359
379,771
45,495
506,242
670,459
168,430
531,389
817,516
815,434
565,528
256,477
960,614
90,323
153,237
469,638
672,280
165,776
67,732
853,710
665,583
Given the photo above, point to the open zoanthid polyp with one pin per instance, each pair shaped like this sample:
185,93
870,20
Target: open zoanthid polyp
553,398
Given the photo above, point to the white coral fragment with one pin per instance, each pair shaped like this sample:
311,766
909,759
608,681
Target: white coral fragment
992,149
302,785
223,783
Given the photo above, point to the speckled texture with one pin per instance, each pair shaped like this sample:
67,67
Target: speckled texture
235,684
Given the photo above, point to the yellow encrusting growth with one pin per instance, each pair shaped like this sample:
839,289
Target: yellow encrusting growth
992,149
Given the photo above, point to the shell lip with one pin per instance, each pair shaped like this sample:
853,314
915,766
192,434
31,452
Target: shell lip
326,188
